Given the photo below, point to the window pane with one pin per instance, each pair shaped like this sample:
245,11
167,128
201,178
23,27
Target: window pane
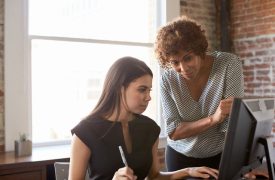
67,78
123,20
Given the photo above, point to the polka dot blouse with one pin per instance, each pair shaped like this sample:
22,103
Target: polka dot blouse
225,80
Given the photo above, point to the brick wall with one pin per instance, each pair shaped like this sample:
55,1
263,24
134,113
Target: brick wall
204,12
253,35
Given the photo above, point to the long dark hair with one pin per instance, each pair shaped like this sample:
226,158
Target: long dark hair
121,74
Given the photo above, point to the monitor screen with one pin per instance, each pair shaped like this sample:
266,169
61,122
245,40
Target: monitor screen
250,119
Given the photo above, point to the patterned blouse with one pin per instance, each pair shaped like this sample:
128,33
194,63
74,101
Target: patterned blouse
225,80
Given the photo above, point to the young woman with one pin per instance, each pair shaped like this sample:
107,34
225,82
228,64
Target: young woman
117,120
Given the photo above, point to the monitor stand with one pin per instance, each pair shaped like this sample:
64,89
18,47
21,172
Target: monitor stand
267,142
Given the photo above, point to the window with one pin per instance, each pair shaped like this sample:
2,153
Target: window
57,54
71,50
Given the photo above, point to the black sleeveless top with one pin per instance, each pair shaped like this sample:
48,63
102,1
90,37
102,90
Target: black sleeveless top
105,157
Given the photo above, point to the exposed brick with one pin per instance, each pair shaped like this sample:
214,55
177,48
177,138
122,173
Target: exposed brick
267,91
204,12
272,52
183,3
248,79
249,67
256,60
248,73
253,85
258,91
246,54
263,40
262,72
261,53
262,66
249,91
264,78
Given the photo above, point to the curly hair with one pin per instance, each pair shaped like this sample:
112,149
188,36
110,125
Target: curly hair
182,34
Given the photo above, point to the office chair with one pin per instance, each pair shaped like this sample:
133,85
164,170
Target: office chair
62,171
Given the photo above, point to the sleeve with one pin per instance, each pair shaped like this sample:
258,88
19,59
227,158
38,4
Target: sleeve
145,131
156,132
169,110
84,133
234,84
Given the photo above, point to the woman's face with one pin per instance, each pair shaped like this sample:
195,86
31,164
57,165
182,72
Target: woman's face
137,94
187,64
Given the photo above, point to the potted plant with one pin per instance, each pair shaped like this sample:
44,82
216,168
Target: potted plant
23,146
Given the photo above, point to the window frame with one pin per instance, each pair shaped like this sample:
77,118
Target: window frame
17,65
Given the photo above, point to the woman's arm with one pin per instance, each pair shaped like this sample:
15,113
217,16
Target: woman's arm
203,172
80,155
188,129
178,129
79,159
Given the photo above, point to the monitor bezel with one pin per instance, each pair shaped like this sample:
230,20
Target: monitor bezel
253,153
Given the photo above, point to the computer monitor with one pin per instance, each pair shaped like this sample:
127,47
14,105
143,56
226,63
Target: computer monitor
248,139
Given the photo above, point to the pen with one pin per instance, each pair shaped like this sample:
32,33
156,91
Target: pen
122,156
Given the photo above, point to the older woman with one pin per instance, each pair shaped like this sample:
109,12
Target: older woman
197,90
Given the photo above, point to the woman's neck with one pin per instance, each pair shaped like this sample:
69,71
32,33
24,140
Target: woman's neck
123,117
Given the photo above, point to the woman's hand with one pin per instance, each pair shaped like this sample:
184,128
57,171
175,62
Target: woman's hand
223,110
256,172
124,173
203,172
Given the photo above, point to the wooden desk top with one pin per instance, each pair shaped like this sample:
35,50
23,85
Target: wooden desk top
40,155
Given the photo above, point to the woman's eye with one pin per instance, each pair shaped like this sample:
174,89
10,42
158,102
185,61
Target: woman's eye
187,58
142,90
174,62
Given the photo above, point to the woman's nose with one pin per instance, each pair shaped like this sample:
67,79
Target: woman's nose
182,66
148,97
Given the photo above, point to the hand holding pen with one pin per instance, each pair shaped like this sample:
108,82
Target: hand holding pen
125,171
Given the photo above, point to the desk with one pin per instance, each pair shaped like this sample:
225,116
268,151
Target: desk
38,166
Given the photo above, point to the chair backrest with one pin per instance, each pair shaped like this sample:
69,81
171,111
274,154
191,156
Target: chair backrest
62,171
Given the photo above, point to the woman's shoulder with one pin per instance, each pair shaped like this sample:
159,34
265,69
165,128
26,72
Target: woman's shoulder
89,123
147,126
225,58
146,121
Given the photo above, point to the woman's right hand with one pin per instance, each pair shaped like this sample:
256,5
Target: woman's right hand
124,173
223,110
203,172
